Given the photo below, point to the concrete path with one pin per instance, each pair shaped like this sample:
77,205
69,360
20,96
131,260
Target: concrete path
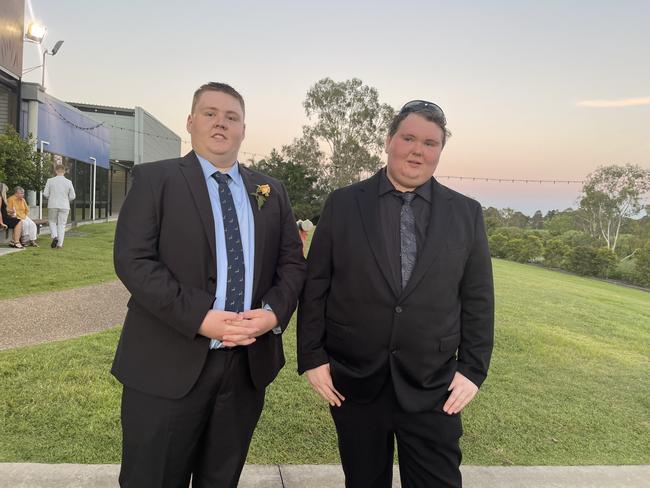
58,315
331,476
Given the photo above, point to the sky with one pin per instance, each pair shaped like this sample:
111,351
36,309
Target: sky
531,90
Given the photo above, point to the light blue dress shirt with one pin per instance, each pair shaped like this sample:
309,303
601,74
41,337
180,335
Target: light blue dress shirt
246,227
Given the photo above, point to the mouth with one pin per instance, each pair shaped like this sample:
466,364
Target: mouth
414,163
219,137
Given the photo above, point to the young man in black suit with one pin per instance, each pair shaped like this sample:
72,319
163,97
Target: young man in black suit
395,325
211,255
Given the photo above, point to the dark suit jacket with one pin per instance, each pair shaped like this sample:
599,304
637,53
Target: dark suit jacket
354,315
165,256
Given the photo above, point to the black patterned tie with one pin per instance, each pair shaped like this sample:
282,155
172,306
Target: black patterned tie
408,245
234,249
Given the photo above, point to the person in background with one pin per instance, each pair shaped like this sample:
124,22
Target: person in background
8,221
59,193
17,207
304,228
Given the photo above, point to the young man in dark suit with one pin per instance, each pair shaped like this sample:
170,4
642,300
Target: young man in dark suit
211,255
395,325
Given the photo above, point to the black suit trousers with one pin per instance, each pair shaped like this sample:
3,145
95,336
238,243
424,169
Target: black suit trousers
205,434
427,443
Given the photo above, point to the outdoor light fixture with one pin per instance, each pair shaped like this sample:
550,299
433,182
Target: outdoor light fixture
35,32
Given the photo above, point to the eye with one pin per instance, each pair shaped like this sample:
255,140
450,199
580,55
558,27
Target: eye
407,138
233,118
209,114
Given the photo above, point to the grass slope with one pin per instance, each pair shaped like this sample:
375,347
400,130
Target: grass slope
568,385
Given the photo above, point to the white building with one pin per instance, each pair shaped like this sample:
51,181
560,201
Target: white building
136,137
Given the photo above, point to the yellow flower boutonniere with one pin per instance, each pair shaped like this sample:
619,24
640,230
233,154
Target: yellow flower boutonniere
261,194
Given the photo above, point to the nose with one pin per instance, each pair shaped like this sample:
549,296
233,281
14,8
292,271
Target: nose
220,122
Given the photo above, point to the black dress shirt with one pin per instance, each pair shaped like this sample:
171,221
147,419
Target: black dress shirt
390,207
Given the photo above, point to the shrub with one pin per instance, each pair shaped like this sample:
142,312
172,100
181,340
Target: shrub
590,261
642,271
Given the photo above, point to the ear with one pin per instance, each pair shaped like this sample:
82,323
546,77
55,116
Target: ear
388,138
243,132
188,124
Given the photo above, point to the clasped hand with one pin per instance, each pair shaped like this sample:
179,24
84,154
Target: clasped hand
237,329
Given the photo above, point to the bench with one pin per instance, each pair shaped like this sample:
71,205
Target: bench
8,233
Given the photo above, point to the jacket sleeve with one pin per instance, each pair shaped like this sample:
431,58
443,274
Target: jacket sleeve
71,193
477,308
291,267
46,190
138,265
311,311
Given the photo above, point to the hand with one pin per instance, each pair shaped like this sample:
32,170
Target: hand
320,380
462,392
261,319
3,225
219,324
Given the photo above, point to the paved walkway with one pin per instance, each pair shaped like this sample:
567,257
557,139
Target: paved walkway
331,476
58,315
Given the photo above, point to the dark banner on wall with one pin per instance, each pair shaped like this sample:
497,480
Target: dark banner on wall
12,14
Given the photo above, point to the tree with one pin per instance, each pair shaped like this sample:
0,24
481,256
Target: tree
498,245
20,165
561,222
347,118
299,179
537,220
610,195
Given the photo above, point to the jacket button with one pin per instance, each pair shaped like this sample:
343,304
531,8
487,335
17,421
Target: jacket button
212,279
398,309
393,352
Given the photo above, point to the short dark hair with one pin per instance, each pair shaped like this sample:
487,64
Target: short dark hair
218,87
424,113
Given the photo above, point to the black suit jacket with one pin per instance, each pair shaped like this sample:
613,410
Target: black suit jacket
165,255
354,315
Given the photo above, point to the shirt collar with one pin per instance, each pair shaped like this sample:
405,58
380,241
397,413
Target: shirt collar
385,186
209,169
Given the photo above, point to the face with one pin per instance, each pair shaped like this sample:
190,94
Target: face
413,152
20,194
217,128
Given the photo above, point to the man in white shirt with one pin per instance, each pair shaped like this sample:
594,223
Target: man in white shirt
59,193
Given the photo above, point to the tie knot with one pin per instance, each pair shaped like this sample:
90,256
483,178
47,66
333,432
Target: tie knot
221,178
407,197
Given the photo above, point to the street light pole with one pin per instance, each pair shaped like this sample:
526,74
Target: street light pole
55,49
40,171
94,186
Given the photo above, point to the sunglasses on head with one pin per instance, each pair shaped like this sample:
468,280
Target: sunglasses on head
416,105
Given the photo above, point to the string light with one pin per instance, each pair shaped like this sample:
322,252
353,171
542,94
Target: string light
257,156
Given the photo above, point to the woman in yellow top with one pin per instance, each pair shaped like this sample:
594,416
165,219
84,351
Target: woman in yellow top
7,220
17,207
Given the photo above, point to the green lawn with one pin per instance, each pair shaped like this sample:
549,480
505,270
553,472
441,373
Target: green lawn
85,259
569,384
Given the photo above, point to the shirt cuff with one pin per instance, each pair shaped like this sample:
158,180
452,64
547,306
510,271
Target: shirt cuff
216,344
277,329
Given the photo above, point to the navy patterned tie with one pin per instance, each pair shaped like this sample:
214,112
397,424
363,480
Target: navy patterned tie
408,245
234,249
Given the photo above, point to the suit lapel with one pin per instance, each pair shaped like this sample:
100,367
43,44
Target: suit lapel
191,170
367,198
441,214
251,180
